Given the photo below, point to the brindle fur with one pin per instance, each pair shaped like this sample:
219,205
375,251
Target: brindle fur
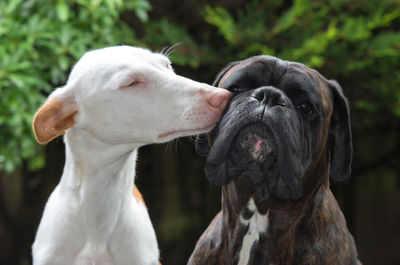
310,230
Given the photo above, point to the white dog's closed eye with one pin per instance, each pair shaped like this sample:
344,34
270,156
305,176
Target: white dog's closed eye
132,82
116,100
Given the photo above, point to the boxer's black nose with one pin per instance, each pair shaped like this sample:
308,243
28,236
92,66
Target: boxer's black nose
269,96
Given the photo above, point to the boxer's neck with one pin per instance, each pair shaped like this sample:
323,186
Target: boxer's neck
273,220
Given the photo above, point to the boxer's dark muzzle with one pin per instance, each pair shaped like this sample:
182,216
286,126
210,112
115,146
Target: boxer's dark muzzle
258,138
253,154
283,119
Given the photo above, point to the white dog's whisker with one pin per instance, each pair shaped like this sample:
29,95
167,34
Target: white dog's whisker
185,114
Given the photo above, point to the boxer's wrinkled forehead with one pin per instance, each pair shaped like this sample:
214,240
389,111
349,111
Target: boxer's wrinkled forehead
254,72
250,76
296,80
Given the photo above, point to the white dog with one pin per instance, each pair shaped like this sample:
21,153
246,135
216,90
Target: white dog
116,100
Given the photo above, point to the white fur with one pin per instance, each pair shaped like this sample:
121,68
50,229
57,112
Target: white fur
91,217
258,224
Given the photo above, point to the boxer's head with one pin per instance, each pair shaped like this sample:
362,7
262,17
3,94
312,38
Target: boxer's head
282,119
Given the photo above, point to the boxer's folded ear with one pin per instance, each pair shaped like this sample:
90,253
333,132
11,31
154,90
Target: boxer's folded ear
341,148
218,174
202,145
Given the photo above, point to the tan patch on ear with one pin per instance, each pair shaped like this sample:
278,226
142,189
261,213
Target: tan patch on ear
138,195
53,118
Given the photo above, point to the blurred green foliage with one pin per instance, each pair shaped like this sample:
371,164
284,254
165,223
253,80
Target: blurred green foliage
39,41
345,40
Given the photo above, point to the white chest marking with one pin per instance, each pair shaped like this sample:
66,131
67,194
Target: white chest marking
258,223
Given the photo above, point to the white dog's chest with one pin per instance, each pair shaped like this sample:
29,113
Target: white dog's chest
89,256
127,238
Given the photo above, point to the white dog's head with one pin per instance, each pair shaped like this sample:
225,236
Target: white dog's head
129,95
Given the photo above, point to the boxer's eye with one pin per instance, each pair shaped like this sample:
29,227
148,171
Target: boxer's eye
306,108
234,88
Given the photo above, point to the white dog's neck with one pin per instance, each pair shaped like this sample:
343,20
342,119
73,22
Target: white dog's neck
92,166
98,180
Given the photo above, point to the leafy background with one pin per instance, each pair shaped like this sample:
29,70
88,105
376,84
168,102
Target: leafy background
354,42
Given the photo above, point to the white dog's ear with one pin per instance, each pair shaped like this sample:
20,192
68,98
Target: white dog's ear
53,118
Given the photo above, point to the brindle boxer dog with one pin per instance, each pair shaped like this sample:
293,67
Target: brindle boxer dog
285,134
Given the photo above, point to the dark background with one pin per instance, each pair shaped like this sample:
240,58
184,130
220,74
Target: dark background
354,42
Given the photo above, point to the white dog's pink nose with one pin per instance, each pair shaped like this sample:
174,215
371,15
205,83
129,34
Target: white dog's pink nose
219,98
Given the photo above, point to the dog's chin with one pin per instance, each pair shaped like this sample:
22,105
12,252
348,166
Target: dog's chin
253,143
251,154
